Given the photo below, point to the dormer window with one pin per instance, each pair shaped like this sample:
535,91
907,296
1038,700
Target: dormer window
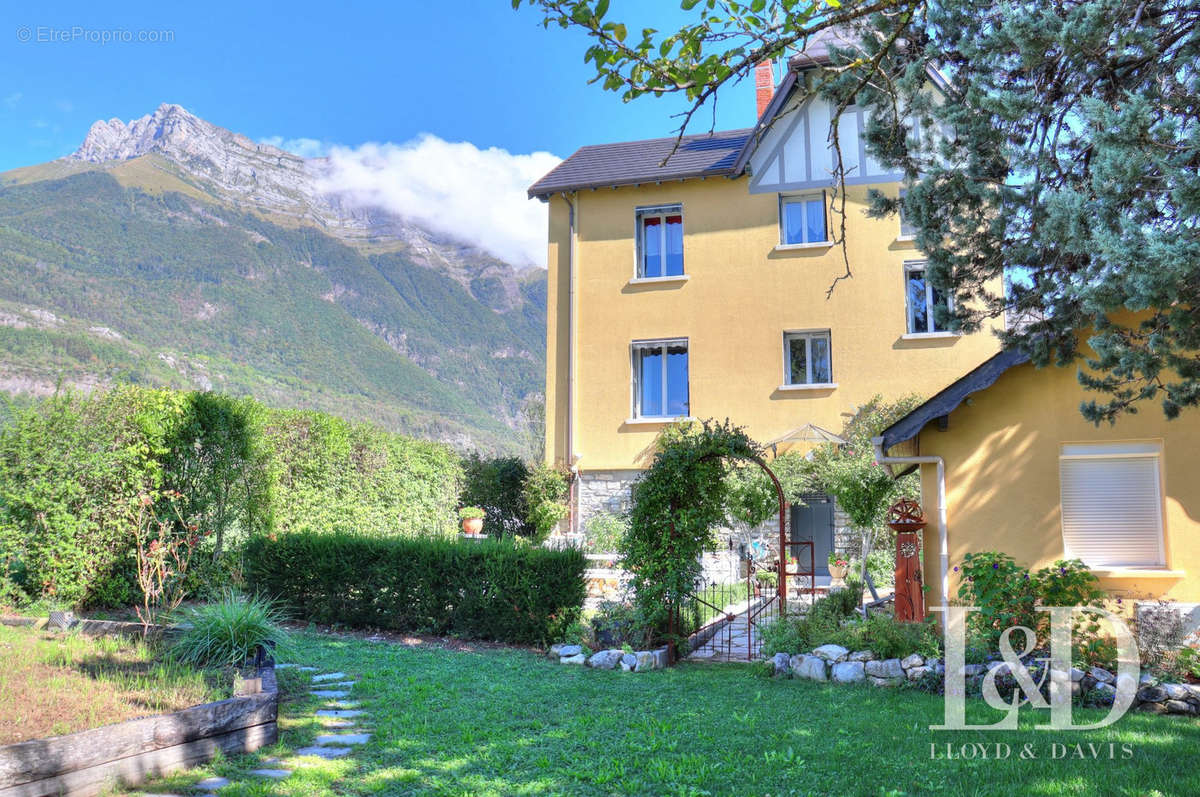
660,242
802,220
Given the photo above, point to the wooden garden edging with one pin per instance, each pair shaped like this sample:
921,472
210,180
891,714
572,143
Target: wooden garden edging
87,762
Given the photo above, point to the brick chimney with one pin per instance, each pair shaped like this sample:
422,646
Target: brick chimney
764,85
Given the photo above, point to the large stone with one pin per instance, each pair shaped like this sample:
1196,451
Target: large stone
780,665
662,658
628,662
888,668
919,672
555,651
605,659
1102,675
1152,694
1077,674
343,738
1103,693
972,670
915,660
1176,691
812,668
885,681
324,752
832,653
1154,708
578,658
1180,707
848,672
646,660
794,662
862,655
568,650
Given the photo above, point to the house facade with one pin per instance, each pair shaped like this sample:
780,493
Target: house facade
705,288
1019,470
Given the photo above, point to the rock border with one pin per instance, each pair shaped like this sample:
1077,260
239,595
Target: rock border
836,664
609,659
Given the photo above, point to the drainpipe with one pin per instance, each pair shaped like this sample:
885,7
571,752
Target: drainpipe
877,443
572,457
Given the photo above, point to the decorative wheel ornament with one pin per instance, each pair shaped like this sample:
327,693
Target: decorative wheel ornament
905,511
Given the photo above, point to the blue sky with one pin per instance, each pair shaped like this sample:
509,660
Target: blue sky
346,73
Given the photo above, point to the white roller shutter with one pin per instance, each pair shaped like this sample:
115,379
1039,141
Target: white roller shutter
1112,504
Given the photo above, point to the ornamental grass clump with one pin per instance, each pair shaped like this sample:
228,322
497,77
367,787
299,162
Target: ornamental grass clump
228,632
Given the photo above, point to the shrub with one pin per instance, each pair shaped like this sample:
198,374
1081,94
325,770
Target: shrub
1161,630
497,485
545,496
486,590
1008,595
605,532
616,624
227,632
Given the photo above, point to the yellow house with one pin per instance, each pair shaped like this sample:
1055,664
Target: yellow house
708,287
1009,464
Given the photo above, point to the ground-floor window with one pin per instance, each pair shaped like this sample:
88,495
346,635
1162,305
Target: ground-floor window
1112,504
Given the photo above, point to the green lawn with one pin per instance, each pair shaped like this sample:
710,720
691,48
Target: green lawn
509,722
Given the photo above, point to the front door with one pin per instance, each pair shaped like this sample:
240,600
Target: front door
814,521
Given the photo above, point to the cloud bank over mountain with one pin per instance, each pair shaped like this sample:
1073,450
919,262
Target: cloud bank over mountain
455,188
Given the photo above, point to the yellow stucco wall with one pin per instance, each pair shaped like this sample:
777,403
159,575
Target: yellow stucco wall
1002,478
740,297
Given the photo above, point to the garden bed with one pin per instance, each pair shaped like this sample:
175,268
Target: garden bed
59,683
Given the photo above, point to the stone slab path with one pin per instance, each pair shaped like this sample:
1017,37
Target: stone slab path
338,714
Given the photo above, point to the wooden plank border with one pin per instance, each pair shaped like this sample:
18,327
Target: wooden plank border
85,763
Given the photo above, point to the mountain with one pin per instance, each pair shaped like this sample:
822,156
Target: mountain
170,251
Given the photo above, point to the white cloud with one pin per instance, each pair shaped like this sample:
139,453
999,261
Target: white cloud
455,188
304,147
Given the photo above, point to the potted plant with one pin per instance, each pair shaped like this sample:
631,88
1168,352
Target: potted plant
472,520
839,566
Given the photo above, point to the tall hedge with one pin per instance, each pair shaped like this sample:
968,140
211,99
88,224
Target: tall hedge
73,466
494,590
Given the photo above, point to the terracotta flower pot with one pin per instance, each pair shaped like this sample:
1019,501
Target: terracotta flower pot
838,572
472,525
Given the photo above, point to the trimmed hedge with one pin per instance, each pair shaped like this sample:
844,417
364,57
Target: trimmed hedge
494,590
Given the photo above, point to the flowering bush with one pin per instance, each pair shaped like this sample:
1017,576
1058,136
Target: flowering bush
837,560
1008,595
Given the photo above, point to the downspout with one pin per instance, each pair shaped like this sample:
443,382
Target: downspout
572,457
877,443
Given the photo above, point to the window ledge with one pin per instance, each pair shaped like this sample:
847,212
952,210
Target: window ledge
653,421
814,386
814,245
1137,572
658,280
905,239
928,335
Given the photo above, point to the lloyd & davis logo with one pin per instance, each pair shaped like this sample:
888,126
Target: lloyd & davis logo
1027,690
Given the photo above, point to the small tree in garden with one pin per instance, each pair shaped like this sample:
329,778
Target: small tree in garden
677,504
862,487
164,548
545,496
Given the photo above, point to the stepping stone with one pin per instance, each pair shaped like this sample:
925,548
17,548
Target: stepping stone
339,713
324,752
330,693
342,684
276,774
284,666
329,676
342,704
307,669
212,783
271,760
336,724
343,738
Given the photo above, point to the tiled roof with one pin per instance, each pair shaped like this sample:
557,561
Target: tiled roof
634,162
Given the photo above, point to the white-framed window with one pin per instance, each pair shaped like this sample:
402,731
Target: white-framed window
921,300
1112,503
808,358
660,242
908,230
660,378
802,219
